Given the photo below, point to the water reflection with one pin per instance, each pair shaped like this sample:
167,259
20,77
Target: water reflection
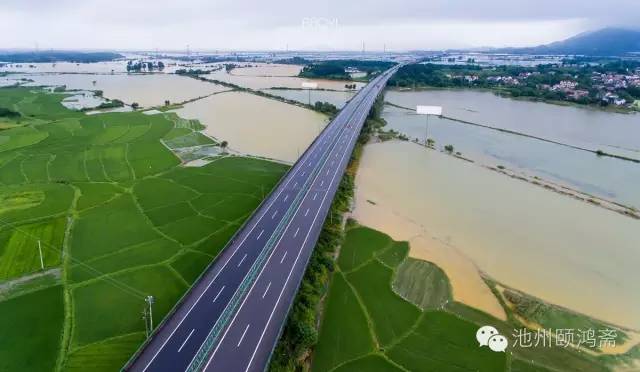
337,99
564,251
145,89
257,125
605,177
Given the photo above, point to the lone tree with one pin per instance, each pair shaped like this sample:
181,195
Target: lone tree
224,145
135,105
448,148
167,102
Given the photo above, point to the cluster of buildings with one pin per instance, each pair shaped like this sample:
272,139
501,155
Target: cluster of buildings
506,80
569,88
603,87
607,84
612,82
613,99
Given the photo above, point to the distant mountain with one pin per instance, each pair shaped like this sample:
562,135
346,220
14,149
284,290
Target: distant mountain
57,56
604,42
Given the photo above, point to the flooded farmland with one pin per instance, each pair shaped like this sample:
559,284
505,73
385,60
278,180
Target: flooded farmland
256,125
605,177
337,99
145,89
259,79
461,216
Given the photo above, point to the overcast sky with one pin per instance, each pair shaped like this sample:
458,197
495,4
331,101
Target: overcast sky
302,25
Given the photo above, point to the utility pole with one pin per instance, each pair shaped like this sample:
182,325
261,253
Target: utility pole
150,300
307,85
41,259
426,131
428,110
146,324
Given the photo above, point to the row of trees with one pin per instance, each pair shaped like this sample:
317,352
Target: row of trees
325,107
7,113
139,66
436,75
191,72
325,70
300,333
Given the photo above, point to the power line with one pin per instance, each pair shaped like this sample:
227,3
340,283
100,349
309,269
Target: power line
116,283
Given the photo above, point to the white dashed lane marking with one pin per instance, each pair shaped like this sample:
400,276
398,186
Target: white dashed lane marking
242,260
243,333
266,290
186,339
218,295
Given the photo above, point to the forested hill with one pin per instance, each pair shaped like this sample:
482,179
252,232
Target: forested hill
604,42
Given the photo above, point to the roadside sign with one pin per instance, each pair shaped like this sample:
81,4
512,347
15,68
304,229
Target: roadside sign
429,110
309,85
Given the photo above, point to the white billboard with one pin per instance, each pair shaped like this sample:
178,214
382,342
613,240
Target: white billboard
429,110
309,85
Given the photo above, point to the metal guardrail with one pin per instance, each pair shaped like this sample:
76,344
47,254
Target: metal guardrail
257,266
182,299
281,329
186,294
248,280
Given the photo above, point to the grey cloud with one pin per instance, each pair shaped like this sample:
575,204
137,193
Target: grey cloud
167,21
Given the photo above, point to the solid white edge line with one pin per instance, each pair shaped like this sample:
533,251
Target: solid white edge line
308,154
315,178
227,330
259,275
290,272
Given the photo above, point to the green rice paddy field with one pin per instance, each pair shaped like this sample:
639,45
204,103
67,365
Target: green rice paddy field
387,312
118,218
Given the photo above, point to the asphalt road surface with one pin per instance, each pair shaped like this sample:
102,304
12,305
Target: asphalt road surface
232,317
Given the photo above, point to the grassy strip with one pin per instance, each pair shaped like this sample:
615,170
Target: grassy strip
516,133
67,178
321,107
300,333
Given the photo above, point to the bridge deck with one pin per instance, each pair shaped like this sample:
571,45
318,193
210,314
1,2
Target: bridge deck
231,318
